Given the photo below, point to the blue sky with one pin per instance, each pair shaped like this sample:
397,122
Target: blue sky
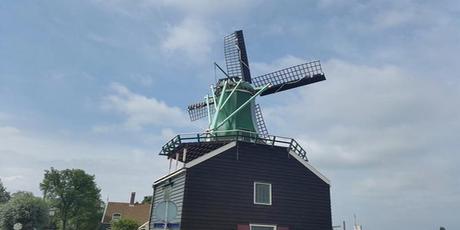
102,84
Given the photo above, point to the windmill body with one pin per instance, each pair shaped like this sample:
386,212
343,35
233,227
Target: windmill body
232,95
234,175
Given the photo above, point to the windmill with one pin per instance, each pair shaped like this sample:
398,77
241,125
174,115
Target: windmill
231,106
234,175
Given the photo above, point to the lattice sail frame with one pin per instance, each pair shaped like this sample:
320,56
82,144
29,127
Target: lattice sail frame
261,127
232,56
291,74
236,58
199,110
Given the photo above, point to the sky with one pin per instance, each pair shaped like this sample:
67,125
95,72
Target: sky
101,85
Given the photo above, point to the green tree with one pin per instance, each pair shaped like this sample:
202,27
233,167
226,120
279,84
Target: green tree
24,208
4,195
147,200
124,224
76,197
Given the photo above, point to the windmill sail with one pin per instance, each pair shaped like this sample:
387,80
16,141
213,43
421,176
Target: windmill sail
231,105
291,77
199,110
261,127
236,58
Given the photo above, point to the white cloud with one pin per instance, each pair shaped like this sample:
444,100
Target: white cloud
141,111
4,116
8,131
336,3
197,7
24,155
101,129
190,33
161,136
394,18
191,37
407,13
102,40
190,7
167,134
145,80
384,135
365,114
12,179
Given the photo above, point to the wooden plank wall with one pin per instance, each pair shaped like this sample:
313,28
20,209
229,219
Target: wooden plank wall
219,191
176,196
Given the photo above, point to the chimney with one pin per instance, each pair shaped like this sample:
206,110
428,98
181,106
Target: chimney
131,201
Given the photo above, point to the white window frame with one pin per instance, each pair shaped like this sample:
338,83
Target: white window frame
262,225
270,195
116,213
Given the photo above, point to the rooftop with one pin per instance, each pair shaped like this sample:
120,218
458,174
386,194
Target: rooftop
137,212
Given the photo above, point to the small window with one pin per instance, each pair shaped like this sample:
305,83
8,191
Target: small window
262,193
262,227
116,216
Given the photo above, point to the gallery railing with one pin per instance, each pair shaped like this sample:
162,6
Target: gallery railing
233,135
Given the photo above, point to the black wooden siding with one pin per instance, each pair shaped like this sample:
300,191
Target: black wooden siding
177,196
219,191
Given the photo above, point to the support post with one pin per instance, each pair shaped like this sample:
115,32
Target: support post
242,106
219,107
209,110
214,97
184,157
215,64
230,95
177,160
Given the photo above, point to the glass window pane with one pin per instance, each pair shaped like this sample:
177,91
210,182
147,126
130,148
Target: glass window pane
262,193
261,228
116,216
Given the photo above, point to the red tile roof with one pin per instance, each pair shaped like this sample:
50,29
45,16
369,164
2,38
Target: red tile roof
137,212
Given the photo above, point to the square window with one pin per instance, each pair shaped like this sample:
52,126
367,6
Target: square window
262,227
116,216
262,193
